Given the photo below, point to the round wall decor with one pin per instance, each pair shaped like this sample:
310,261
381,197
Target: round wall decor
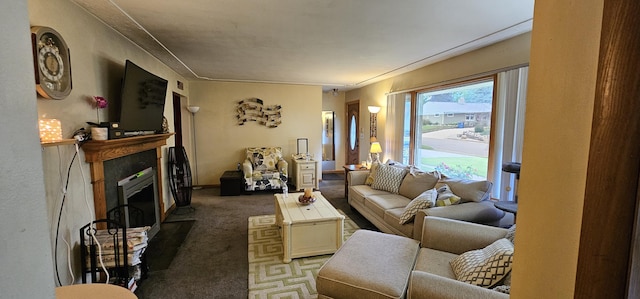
52,63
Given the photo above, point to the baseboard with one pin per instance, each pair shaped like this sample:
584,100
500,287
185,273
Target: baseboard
169,210
333,171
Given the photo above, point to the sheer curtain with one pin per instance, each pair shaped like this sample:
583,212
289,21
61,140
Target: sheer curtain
508,135
394,126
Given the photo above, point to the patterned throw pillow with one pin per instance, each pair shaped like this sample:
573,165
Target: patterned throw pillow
505,289
425,200
388,178
511,234
372,173
264,158
484,267
446,197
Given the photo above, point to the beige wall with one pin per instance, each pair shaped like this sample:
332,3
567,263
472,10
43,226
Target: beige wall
221,142
98,55
26,265
562,76
509,53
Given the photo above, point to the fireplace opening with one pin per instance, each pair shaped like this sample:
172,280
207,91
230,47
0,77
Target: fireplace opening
138,192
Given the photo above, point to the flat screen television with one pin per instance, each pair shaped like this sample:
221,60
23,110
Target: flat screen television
142,101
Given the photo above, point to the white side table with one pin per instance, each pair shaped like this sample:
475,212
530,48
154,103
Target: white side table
304,174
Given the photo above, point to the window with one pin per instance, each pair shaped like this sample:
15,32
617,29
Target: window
455,145
485,132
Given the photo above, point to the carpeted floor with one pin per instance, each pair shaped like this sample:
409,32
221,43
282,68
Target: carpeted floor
333,176
212,260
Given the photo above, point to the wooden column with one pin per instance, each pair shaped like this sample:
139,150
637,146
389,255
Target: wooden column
98,151
605,266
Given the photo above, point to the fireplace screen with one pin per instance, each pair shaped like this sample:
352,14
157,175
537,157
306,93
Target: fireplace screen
138,193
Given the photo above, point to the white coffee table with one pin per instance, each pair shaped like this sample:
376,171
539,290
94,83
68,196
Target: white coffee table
308,230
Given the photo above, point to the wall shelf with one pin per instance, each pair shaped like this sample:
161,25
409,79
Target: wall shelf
59,142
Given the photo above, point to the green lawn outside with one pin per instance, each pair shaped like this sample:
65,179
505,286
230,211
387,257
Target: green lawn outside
480,164
433,128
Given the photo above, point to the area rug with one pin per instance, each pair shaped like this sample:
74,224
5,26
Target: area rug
269,277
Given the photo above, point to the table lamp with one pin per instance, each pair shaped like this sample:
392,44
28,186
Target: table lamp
375,151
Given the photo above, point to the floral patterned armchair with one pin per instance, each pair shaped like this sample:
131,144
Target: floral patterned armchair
264,169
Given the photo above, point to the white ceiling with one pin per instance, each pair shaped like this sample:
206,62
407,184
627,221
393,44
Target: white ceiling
340,44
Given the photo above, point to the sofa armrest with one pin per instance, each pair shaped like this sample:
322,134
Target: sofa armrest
283,167
357,177
457,236
427,285
247,168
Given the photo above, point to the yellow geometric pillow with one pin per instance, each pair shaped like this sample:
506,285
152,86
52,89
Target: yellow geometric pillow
446,197
372,173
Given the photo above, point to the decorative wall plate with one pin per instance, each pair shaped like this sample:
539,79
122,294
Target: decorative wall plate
52,63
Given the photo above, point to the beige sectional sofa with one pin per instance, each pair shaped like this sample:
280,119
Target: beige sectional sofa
411,269
383,206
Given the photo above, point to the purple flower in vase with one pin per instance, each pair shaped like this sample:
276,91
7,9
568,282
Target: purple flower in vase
101,103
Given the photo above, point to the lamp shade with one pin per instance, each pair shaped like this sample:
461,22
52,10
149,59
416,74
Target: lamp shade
375,148
193,109
374,109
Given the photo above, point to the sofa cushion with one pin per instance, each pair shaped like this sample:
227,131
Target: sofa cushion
425,200
359,192
435,262
417,182
392,218
477,212
388,178
468,190
484,267
379,203
446,197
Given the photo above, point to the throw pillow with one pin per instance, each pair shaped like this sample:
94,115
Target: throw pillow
446,197
388,178
423,201
468,190
417,182
484,267
511,234
372,173
409,168
503,289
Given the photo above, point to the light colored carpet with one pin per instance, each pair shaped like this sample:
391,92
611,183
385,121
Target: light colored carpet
269,277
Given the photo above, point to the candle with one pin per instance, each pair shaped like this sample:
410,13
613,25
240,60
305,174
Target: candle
50,130
307,192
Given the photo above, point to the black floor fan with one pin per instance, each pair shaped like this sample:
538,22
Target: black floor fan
180,178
